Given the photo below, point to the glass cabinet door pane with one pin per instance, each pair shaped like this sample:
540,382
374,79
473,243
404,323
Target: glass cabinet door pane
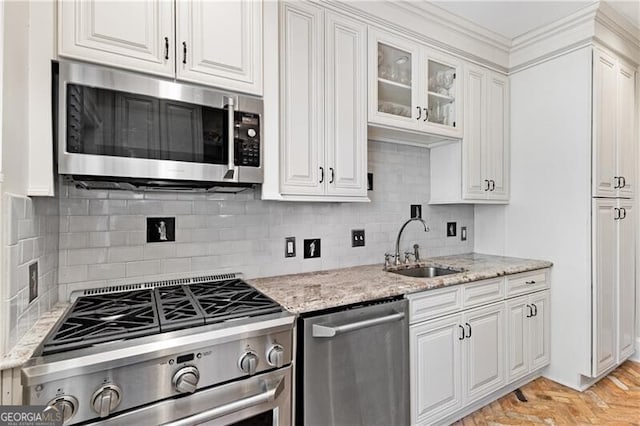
441,93
394,81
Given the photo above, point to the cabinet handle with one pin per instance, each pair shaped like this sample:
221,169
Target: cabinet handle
617,213
426,114
487,182
419,113
616,179
321,174
624,182
624,213
530,314
184,52
468,325
493,185
333,175
530,282
166,48
535,310
461,334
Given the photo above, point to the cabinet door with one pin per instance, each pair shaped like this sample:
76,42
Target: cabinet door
518,315
394,79
539,331
626,281
605,317
136,35
496,147
346,113
435,350
604,124
302,92
220,43
441,95
626,130
474,185
483,358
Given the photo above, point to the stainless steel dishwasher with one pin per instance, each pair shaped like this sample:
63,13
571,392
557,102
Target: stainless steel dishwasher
354,366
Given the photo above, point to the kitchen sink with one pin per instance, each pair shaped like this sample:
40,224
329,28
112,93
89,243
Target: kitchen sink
425,272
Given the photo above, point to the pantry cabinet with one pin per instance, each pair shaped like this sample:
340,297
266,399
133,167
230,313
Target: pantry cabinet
613,283
212,43
412,88
323,118
613,126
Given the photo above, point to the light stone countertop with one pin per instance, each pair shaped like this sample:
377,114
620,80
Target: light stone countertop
25,347
315,291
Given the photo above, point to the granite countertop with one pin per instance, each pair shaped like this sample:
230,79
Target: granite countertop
25,347
314,291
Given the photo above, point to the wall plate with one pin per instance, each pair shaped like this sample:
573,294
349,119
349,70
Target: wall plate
369,181
290,247
33,281
161,229
416,211
451,229
463,233
357,238
312,248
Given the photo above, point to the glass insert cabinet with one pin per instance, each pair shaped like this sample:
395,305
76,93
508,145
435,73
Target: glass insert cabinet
413,88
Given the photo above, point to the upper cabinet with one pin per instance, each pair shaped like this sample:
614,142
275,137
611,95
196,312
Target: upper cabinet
613,127
476,170
323,148
212,43
412,89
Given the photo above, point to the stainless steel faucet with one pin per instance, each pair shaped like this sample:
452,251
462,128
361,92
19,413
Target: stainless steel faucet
397,256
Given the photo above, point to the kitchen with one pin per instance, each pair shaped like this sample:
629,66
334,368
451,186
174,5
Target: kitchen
462,153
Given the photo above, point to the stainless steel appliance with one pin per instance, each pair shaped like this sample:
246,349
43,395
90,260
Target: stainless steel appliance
118,129
354,366
181,352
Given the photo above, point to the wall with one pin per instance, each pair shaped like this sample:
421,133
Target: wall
31,236
103,237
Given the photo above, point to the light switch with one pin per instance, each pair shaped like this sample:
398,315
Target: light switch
290,247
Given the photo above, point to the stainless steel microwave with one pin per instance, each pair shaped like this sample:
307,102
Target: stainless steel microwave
119,129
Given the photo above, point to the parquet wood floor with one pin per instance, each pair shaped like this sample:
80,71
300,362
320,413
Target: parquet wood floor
614,400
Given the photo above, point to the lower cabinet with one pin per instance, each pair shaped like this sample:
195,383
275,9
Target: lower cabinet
459,358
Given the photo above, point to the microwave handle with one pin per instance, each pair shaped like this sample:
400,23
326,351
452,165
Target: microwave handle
232,172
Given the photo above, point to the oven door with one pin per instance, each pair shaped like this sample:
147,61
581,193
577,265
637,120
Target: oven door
261,400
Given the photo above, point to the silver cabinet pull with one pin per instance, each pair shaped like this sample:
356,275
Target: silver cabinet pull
231,173
271,394
332,331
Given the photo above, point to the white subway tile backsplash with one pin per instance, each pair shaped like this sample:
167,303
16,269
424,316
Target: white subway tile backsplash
86,256
125,223
140,269
125,254
107,207
88,223
159,251
106,271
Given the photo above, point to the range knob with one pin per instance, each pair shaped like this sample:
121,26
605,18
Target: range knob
186,379
275,356
248,363
66,405
106,399
251,133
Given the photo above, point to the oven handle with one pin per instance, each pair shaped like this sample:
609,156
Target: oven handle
331,331
271,394
232,172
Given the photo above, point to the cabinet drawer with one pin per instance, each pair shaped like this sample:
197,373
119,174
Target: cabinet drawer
527,282
483,292
433,303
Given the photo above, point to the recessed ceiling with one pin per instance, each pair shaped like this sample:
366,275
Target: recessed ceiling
513,18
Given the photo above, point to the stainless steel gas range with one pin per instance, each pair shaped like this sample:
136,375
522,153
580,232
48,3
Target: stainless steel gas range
209,350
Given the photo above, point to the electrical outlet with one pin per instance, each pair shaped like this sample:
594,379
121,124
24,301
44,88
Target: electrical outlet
357,238
416,211
451,229
290,247
312,248
463,233
33,281
161,229
369,181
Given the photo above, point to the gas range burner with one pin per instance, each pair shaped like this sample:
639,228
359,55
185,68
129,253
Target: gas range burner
124,315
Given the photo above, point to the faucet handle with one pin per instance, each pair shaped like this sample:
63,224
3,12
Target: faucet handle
407,255
416,252
387,260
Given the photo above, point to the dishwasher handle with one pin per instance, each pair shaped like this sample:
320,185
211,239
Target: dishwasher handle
332,331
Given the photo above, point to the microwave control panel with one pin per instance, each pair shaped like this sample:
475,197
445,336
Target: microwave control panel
247,146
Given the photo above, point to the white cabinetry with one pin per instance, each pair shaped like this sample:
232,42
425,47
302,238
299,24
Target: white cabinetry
323,118
613,127
613,283
476,170
468,344
528,339
414,91
213,43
